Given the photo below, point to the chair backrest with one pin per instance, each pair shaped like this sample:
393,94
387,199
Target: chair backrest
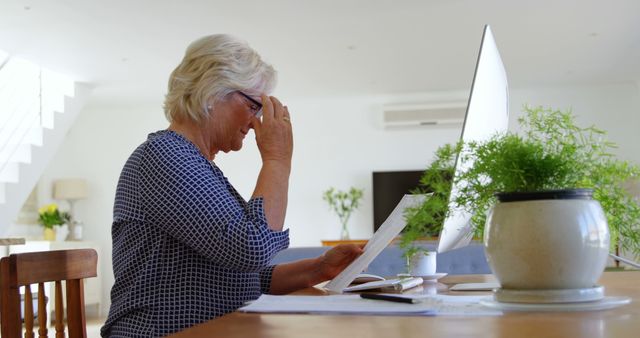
24,269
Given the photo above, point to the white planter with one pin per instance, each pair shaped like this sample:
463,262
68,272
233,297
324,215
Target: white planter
423,264
534,243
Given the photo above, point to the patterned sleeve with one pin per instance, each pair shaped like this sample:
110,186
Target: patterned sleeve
265,278
184,198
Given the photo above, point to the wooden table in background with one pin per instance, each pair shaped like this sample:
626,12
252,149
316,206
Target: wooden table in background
11,241
619,322
334,242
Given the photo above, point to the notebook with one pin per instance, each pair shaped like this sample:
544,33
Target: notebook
387,285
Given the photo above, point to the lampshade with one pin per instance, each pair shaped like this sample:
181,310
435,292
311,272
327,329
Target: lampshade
70,189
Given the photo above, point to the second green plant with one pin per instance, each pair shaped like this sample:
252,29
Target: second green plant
344,203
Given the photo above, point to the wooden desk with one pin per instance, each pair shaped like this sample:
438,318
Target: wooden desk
620,322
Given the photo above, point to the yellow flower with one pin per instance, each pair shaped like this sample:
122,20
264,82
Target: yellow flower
52,207
50,215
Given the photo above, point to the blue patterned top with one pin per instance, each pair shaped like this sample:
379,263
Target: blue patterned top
186,246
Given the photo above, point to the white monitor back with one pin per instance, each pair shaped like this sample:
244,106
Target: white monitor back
487,114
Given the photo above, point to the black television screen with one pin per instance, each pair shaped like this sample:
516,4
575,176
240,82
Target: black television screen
388,189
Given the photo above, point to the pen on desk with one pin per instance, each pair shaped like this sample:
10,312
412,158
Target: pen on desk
390,298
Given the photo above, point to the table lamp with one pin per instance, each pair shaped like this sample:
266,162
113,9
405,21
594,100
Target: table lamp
71,190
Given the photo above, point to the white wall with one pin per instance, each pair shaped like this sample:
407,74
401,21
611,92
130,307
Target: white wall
614,108
338,142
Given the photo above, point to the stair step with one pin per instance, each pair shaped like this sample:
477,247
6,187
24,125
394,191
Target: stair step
34,136
16,154
21,154
32,100
10,173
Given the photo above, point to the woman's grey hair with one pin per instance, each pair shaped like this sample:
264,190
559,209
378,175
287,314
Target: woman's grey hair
213,67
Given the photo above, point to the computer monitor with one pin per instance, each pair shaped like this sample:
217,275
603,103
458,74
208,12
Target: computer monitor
487,114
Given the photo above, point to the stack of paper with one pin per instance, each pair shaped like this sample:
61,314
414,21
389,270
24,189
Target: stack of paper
334,304
427,305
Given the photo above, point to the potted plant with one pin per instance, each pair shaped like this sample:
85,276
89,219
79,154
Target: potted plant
426,219
344,203
49,216
553,159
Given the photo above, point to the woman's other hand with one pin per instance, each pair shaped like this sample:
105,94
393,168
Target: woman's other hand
293,276
332,262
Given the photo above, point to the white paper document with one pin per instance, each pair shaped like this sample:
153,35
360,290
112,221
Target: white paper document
334,304
385,234
475,286
427,305
448,305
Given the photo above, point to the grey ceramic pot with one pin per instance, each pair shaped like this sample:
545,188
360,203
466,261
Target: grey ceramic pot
547,240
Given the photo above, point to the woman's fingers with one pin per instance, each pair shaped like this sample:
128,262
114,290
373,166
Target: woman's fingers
272,109
286,117
274,132
256,124
278,109
267,107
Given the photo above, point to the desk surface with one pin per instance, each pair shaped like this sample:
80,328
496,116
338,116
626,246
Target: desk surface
620,322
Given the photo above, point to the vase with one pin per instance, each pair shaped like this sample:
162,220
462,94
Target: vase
547,240
49,234
344,234
422,264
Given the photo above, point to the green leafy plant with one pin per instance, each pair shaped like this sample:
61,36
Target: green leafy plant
426,220
50,216
344,203
552,153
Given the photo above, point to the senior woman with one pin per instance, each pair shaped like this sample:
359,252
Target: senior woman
186,246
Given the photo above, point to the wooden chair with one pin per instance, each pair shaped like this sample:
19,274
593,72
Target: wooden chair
37,268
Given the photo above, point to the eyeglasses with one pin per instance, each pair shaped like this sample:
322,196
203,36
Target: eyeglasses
256,106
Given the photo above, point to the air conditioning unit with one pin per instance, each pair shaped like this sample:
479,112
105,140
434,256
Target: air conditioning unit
429,114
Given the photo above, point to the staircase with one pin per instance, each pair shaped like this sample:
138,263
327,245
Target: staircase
37,108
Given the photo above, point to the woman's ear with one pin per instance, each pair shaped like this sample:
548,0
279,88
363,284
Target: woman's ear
209,105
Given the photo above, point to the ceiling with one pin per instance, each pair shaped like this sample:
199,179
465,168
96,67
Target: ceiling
127,48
